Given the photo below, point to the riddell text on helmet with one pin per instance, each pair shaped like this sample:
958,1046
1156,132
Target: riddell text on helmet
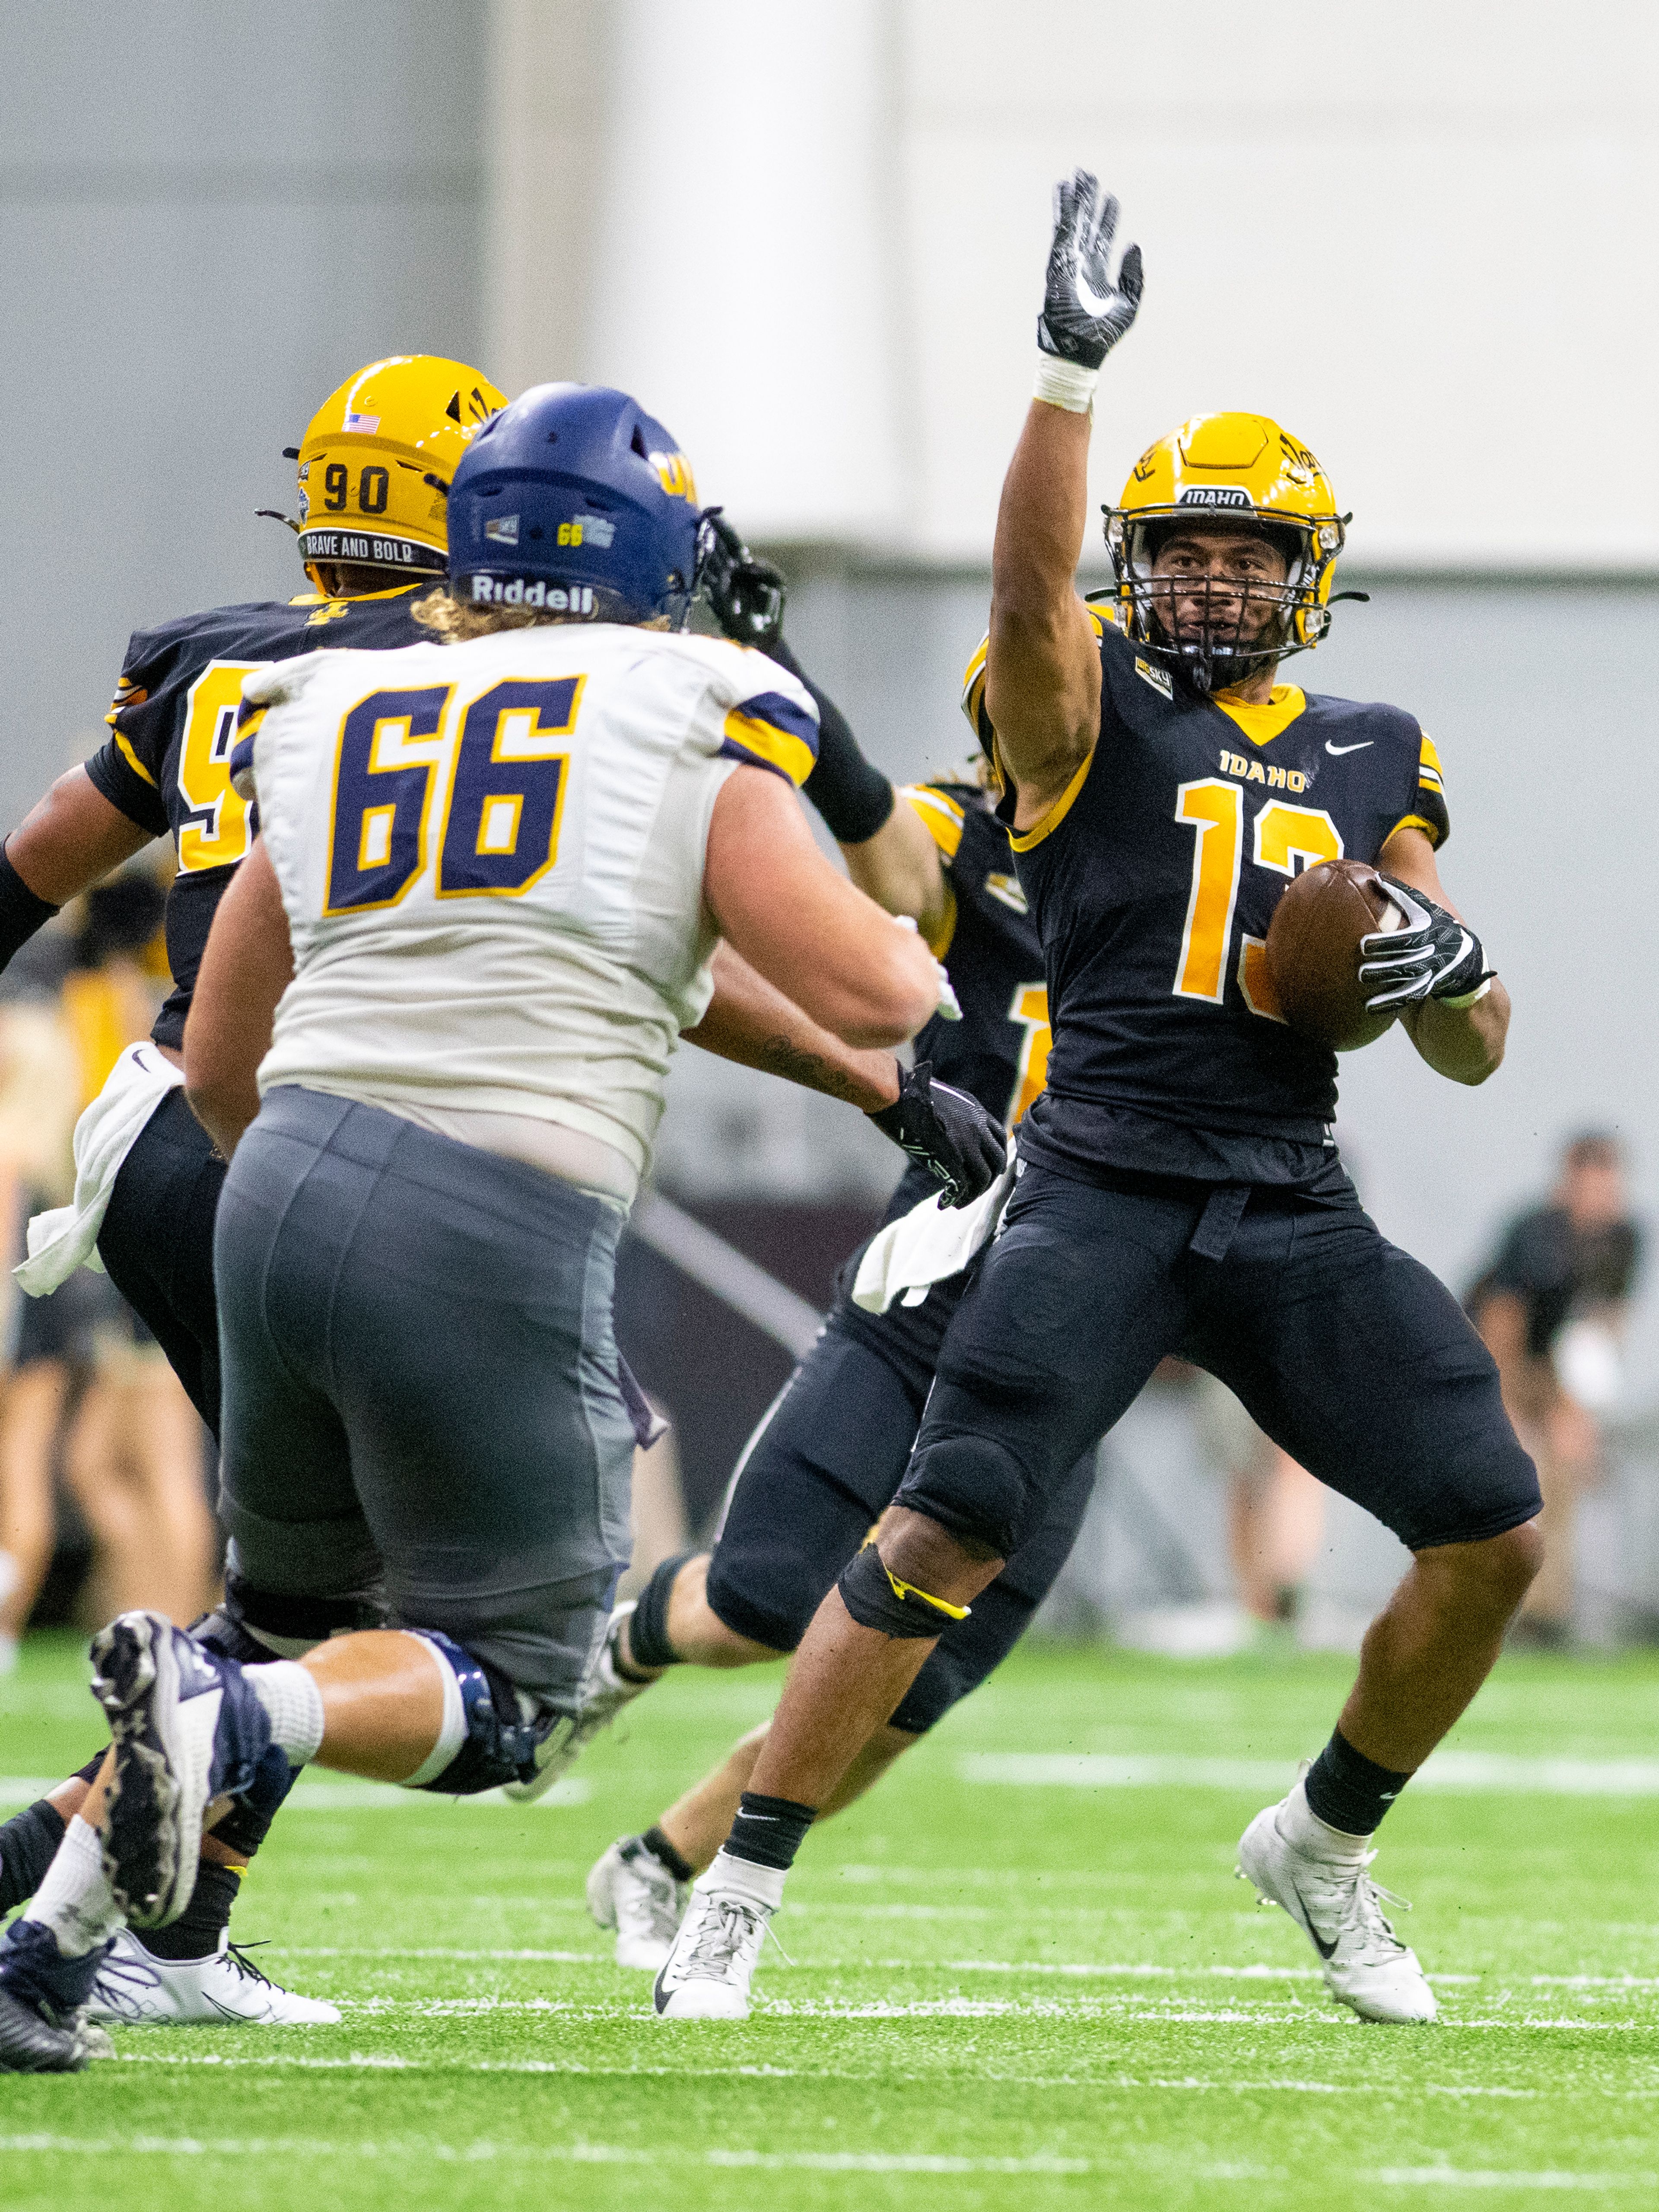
578,600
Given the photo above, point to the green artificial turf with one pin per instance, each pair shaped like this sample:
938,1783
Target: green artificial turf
1001,1995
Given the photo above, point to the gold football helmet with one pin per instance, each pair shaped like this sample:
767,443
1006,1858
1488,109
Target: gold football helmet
1240,471
376,460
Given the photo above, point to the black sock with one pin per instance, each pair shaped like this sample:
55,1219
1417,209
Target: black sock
648,1629
28,1845
664,1852
195,1934
769,1830
1348,1791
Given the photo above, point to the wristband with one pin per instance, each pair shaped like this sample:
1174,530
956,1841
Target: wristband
21,913
1470,998
1064,384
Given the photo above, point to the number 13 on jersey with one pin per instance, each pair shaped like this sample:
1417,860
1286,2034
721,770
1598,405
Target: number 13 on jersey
498,832
1285,835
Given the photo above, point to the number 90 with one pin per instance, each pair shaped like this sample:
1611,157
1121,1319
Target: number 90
373,486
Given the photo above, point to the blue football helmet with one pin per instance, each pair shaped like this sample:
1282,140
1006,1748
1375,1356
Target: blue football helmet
574,499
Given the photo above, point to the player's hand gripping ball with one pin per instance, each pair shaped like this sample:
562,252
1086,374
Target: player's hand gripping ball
1314,942
1084,313
1434,955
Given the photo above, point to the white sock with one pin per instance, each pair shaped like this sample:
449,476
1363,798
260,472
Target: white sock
760,1884
290,1696
1304,1831
74,1898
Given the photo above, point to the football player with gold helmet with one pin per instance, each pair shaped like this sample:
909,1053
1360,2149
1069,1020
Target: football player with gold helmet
374,466
1180,1190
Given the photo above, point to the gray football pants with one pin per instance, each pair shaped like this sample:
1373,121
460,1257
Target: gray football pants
421,1395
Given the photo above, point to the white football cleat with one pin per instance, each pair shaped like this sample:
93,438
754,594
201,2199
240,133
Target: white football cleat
630,1889
604,1693
1339,1908
137,1990
706,1974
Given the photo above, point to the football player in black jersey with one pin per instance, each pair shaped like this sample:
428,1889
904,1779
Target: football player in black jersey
372,468
824,1463
1180,1189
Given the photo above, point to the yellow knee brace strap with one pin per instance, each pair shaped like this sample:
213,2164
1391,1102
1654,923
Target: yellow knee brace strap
876,1598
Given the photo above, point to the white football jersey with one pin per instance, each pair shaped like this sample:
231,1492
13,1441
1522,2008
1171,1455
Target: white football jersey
491,857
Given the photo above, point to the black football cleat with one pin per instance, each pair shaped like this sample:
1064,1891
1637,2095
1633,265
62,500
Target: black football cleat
43,2027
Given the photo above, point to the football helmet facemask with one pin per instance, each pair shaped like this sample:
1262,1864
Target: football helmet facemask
1242,474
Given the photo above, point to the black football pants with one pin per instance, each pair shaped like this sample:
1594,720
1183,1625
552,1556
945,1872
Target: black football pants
156,1244
1351,1355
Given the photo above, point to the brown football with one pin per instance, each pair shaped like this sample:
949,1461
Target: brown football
1313,952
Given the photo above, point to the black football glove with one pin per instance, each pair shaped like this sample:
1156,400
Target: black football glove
1433,956
951,1133
1083,313
746,594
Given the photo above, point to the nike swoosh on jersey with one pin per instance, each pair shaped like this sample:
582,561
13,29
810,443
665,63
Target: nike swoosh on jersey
1338,751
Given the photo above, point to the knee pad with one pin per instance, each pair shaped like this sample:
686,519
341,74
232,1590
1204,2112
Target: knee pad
876,1598
490,1735
258,1624
972,1485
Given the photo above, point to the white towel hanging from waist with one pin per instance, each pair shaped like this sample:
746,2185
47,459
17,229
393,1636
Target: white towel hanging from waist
927,1245
67,1237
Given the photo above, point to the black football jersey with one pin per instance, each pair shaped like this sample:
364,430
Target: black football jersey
167,764
999,1049
1152,880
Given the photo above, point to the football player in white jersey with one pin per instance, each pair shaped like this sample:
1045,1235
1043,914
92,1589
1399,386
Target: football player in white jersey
432,1028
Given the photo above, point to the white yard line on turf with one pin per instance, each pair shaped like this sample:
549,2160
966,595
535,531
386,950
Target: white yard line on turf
1457,1771
810,2161
1315,2012
1142,1971
390,2062
471,2154
1463,2177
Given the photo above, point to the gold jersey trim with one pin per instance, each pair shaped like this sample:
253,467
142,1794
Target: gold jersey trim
940,815
1046,826
1262,723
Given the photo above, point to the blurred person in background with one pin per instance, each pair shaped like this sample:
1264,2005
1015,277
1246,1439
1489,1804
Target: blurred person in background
1275,1508
88,1381
1552,1307
134,1456
39,1098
